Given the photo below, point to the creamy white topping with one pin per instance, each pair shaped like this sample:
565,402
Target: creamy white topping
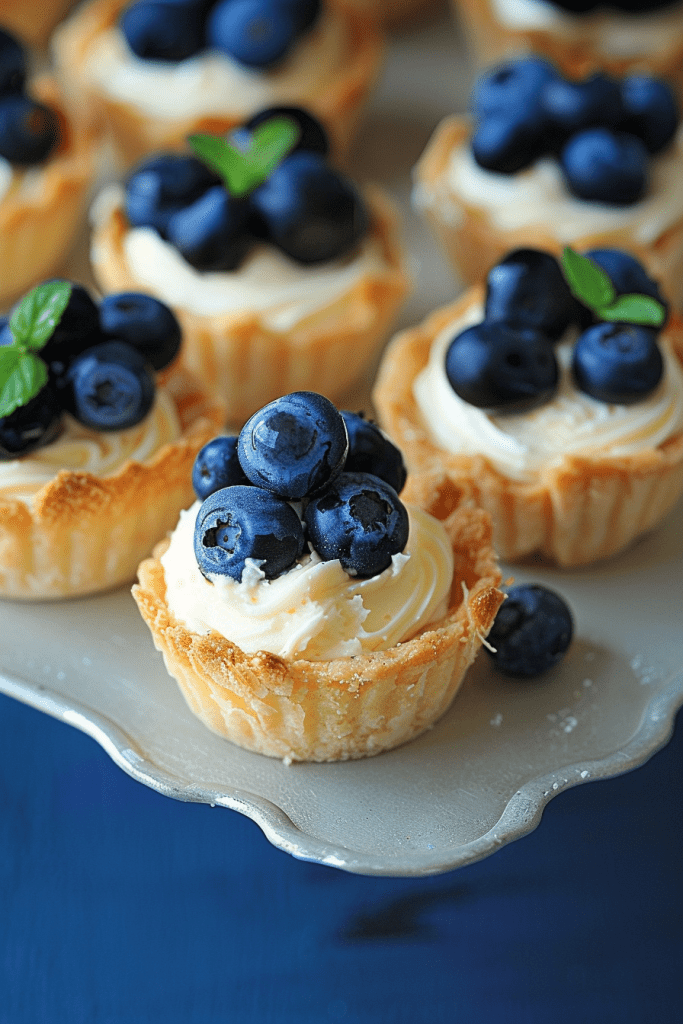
612,32
90,451
285,292
538,196
210,82
6,174
521,445
316,611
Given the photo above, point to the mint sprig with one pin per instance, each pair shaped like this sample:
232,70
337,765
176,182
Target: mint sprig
22,372
244,168
589,283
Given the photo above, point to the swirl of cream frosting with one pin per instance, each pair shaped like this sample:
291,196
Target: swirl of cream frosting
521,445
316,611
84,450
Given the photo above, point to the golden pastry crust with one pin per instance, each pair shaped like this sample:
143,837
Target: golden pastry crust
473,243
398,13
85,533
136,135
248,362
340,709
38,221
33,21
577,512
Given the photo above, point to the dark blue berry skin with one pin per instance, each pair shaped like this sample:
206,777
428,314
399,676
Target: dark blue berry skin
163,31
309,210
511,87
163,185
651,111
143,322
12,64
305,12
371,452
294,446
77,330
605,166
360,520
626,273
212,233
236,523
617,363
531,632
256,33
312,137
507,143
217,466
110,387
492,366
527,291
29,131
31,426
575,106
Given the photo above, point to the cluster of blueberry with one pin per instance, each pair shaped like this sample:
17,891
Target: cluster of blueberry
100,368
300,471
602,131
29,131
507,362
303,206
256,33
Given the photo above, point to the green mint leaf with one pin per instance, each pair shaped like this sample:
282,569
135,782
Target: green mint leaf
273,140
22,375
242,169
33,321
229,163
634,309
587,281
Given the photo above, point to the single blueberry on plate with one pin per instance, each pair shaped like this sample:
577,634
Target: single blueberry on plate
294,445
212,233
32,425
527,290
163,31
29,131
508,143
494,367
143,322
161,186
360,520
617,363
256,33
109,387
236,523
12,64
531,632
511,87
312,135
575,106
309,210
217,466
77,330
651,111
605,166
370,451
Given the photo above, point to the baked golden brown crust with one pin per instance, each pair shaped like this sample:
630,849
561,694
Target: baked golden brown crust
31,21
249,363
341,709
85,533
582,510
136,135
473,243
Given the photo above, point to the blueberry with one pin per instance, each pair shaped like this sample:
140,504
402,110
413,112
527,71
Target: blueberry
163,31
304,12
212,232
12,64
360,520
110,387
163,185
217,466
236,523
527,290
651,111
513,86
507,143
294,445
617,363
371,452
626,273
492,366
575,106
309,210
256,33
143,322
31,426
77,330
605,166
29,131
312,135
531,632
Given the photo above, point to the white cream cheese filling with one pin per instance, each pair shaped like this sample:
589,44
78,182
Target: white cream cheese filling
316,611
521,445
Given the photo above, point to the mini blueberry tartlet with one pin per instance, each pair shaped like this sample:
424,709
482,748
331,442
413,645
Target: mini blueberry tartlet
282,274
305,611
545,161
99,429
158,72
47,162
552,397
